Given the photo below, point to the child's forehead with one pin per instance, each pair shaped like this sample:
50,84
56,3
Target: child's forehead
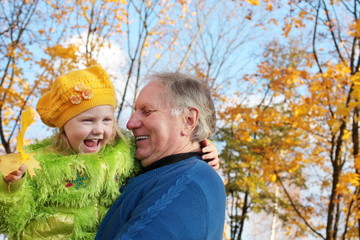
99,110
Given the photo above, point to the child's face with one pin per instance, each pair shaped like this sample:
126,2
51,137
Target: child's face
89,131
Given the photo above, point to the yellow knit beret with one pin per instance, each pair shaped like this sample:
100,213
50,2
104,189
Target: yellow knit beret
74,93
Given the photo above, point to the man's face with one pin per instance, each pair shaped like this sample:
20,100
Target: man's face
157,132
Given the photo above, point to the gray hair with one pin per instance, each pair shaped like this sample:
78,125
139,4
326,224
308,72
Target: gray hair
184,91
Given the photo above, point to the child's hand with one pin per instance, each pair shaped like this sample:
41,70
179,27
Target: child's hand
210,154
16,175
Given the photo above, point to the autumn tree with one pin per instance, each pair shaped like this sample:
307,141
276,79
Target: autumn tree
16,91
316,163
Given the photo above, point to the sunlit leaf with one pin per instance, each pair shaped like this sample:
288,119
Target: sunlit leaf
9,163
27,118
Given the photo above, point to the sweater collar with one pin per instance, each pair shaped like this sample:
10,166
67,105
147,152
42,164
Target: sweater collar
170,160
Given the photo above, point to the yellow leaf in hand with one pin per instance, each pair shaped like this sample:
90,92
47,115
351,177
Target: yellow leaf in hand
12,162
27,117
31,163
9,163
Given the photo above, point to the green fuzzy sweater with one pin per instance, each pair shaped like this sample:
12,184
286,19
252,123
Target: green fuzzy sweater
68,196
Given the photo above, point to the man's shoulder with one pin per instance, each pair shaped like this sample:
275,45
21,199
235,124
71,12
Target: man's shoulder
196,170
204,172
198,166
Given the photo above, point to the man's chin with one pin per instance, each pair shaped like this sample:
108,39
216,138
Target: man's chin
144,162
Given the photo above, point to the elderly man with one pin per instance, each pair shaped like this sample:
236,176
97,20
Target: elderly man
178,196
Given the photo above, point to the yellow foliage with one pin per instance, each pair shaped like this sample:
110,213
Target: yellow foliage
121,1
334,124
357,162
302,14
286,29
346,135
274,21
355,29
353,105
10,51
325,184
237,117
272,177
351,178
293,167
63,52
253,2
343,111
269,6
301,110
355,78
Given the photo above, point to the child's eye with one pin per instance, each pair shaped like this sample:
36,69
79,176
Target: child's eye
87,120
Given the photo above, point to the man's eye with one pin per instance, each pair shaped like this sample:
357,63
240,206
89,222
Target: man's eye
148,112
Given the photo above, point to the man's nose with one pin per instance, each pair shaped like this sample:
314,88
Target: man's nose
134,121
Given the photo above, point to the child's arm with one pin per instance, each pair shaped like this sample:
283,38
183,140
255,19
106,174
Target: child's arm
16,175
16,202
210,153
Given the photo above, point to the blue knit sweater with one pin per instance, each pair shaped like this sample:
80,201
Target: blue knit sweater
184,200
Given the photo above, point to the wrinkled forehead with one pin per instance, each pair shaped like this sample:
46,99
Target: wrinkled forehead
152,94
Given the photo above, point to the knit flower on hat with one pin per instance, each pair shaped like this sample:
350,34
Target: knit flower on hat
81,92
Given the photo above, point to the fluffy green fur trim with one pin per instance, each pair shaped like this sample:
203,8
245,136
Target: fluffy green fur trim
72,191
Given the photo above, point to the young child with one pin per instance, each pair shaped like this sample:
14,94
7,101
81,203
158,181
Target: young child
82,166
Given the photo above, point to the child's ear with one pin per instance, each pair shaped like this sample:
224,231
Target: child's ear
191,118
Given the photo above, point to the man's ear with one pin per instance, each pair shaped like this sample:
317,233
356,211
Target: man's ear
191,118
